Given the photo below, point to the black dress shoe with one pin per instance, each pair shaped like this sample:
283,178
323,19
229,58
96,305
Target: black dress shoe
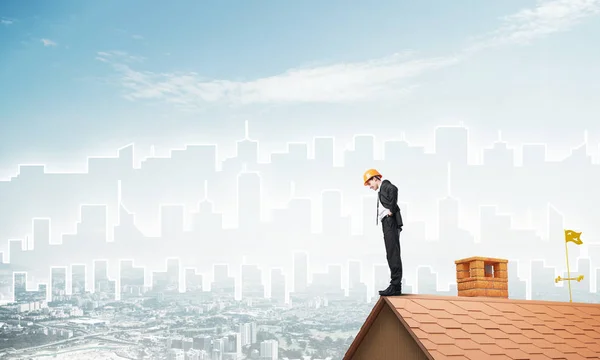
389,288
391,291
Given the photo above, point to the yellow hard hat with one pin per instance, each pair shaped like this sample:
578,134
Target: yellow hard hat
369,174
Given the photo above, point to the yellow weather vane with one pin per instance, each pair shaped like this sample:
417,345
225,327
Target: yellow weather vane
574,237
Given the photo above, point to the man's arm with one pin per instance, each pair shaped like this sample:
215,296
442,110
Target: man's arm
392,195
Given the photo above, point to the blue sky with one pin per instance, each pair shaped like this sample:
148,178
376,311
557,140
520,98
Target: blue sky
79,77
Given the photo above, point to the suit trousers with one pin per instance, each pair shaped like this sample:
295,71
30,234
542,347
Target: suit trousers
391,238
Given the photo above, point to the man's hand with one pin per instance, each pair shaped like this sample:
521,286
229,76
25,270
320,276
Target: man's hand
389,213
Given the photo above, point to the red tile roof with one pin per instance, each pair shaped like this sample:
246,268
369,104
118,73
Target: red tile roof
478,328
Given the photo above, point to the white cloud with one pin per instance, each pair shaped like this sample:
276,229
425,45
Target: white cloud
548,17
48,42
333,83
347,81
137,37
6,22
116,56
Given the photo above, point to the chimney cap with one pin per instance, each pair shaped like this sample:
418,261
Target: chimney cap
480,258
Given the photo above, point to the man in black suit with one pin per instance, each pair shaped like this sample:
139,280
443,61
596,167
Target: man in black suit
388,213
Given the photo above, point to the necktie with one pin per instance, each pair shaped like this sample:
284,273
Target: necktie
377,217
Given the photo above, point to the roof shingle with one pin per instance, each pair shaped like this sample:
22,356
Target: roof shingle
480,328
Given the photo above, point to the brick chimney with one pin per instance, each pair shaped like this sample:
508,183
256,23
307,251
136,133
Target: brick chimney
482,276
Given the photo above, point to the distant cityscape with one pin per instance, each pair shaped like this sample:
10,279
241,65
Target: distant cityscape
277,260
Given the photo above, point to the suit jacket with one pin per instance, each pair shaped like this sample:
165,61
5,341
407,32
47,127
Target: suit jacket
388,197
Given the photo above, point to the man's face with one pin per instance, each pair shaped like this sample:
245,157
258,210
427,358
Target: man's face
373,184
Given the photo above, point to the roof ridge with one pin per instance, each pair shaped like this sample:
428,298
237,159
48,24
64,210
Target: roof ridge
492,299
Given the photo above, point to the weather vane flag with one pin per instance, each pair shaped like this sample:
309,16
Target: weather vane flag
574,237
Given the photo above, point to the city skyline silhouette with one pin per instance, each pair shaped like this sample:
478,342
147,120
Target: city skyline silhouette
190,194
